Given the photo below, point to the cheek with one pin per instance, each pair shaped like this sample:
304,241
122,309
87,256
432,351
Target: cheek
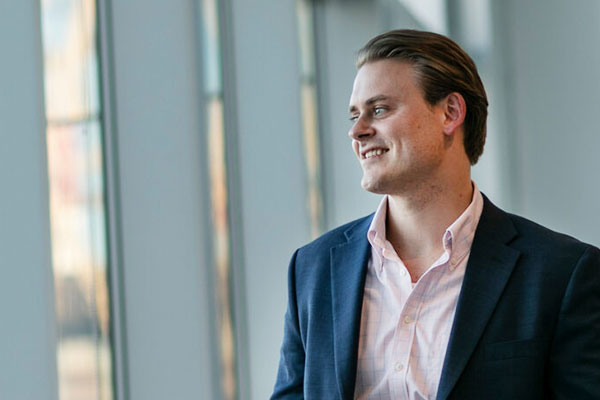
355,148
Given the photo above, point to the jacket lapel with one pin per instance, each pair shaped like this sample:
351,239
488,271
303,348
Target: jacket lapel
489,267
348,271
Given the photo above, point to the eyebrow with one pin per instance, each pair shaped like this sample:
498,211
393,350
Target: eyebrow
372,100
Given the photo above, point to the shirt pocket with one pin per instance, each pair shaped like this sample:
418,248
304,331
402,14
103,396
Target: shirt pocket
529,348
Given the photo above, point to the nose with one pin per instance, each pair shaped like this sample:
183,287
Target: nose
361,129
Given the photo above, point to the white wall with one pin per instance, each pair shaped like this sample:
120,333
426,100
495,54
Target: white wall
27,336
272,194
161,152
552,97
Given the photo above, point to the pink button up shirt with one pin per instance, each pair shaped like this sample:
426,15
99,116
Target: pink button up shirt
405,326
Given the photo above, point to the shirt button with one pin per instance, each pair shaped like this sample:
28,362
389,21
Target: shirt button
407,319
398,366
453,262
402,272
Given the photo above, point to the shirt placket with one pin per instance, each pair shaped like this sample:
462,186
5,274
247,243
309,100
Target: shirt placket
399,359
406,329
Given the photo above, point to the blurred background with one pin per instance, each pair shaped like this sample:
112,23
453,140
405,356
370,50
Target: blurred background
161,160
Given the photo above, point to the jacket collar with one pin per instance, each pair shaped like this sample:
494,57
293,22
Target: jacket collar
348,271
490,265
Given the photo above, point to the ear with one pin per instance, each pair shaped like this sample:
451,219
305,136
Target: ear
455,110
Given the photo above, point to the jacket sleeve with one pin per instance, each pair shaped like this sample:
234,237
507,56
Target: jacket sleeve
290,376
575,355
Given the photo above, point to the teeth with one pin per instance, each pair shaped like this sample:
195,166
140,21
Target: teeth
372,153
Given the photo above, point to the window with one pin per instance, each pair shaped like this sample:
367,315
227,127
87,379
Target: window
77,208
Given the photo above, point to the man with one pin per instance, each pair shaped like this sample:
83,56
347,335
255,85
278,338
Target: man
439,294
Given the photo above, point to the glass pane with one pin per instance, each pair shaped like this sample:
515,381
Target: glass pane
70,59
310,117
217,166
77,210
79,260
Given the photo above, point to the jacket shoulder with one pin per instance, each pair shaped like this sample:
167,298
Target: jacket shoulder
342,234
536,237
526,235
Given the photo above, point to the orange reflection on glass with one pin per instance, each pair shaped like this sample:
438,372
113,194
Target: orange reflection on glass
221,244
217,166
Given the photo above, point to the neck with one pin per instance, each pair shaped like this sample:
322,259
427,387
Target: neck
416,222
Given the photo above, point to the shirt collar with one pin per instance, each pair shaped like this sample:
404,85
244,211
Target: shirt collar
457,238
376,232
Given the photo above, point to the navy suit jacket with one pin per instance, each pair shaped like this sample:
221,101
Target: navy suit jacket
527,323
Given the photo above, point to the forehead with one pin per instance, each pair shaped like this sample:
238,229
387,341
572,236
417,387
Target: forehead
389,77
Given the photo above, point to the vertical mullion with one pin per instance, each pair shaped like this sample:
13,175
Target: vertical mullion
237,284
220,166
112,204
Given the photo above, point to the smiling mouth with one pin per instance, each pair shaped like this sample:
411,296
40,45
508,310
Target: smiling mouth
373,153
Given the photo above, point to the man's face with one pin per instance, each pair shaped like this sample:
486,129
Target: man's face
396,135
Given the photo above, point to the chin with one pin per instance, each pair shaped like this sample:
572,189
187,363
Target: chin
373,186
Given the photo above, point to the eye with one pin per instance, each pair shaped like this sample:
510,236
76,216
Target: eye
379,110
353,117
